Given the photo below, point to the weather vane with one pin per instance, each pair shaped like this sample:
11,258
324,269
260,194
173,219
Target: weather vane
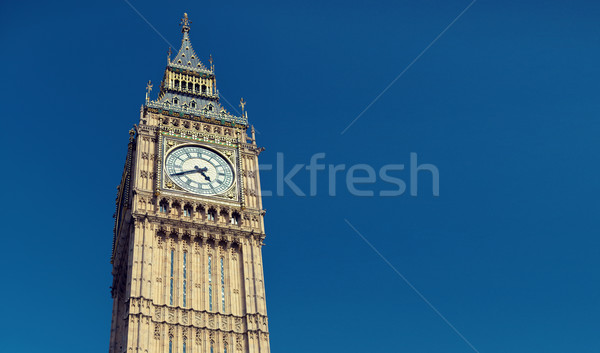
242,104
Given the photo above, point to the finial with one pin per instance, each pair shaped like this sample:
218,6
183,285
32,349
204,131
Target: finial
242,104
185,23
253,135
210,60
148,90
169,55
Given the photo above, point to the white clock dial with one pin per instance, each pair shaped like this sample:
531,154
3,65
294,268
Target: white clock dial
199,170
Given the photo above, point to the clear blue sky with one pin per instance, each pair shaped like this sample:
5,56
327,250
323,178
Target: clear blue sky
505,104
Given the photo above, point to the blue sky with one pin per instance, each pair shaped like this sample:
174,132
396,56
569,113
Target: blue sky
505,105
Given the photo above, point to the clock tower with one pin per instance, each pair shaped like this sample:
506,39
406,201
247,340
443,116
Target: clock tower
187,261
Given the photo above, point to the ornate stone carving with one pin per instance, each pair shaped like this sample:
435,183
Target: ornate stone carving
198,336
156,331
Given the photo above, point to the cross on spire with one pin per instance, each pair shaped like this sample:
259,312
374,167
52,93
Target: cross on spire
185,23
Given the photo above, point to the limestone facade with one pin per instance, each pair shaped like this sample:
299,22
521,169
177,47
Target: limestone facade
187,267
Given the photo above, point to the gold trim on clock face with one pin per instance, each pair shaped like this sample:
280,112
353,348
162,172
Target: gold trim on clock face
199,170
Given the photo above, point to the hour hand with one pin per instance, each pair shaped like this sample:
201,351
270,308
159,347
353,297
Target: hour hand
205,176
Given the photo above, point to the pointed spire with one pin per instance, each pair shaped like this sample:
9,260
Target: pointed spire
190,88
242,104
148,90
186,58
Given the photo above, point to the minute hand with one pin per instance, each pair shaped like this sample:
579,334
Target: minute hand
186,172
195,170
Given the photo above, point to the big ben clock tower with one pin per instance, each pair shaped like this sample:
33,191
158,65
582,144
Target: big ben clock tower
187,262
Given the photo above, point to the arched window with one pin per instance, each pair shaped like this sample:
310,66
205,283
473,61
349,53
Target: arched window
190,86
183,85
193,104
175,100
211,215
235,218
163,206
203,88
187,211
196,87
177,84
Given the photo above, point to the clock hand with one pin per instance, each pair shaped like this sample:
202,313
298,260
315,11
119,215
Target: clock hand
196,169
201,171
185,172
205,176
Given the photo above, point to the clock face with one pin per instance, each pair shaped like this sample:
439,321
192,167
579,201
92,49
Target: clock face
199,170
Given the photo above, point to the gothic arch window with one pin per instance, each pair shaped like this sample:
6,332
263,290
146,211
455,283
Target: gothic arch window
211,215
190,86
235,218
193,104
187,210
163,206
183,85
196,87
177,84
203,88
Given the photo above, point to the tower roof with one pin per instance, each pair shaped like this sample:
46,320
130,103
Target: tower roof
189,90
186,57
